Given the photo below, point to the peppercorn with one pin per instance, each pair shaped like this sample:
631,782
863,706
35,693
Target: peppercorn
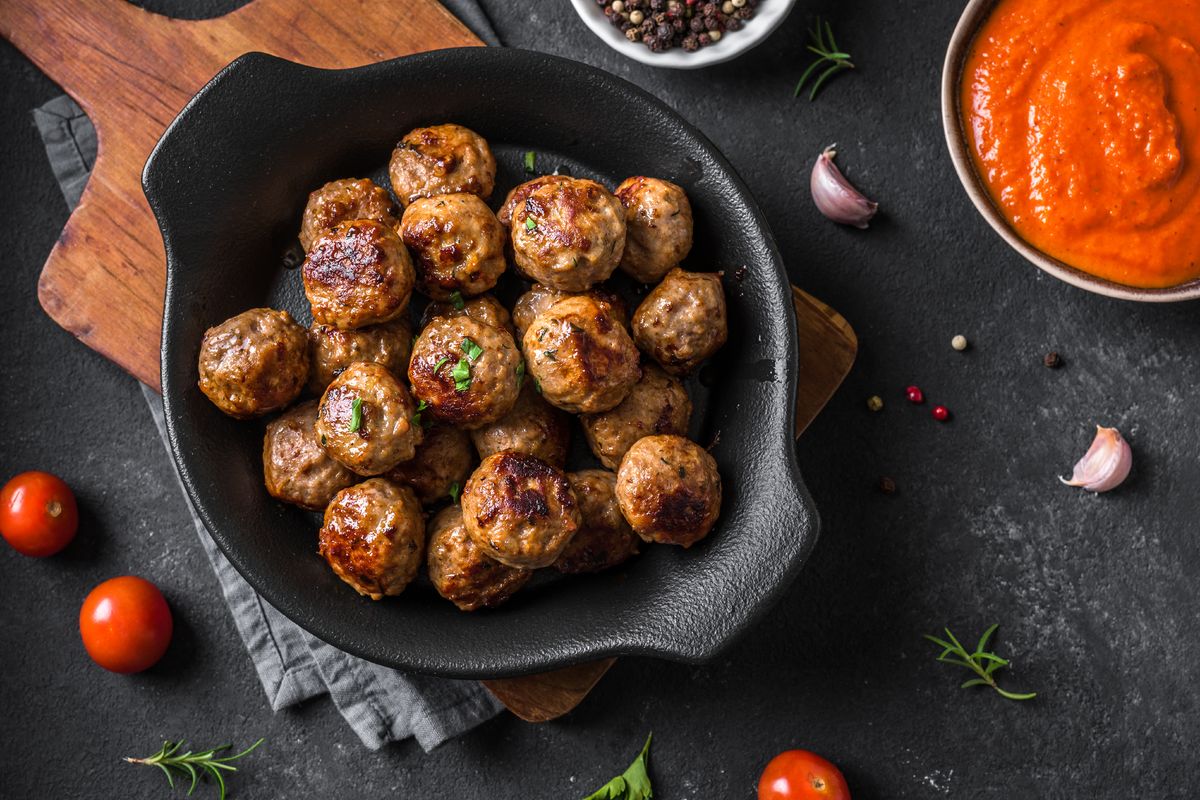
744,13
875,403
704,39
941,413
691,43
887,485
914,394
1052,360
733,24
633,34
619,5
727,7
678,25
959,342
714,35
636,17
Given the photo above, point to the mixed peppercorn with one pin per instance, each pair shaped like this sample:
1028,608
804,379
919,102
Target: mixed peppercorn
664,24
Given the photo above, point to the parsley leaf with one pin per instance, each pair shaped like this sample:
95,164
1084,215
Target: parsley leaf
356,415
455,491
472,350
530,224
416,418
438,365
457,301
520,374
537,384
462,375
633,784
530,161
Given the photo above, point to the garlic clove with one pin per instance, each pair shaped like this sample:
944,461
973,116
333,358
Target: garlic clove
1105,465
835,197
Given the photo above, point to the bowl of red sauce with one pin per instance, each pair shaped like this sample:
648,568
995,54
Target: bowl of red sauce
1074,126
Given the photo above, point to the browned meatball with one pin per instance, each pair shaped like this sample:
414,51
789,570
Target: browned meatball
456,242
605,538
444,459
658,227
338,201
539,298
359,273
669,490
461,572
365,420
466,371
442,159
296,468
520,510
374,537
533,426
656,404
568,235
519,193
682,321
254,363
484,308
582,359
333,350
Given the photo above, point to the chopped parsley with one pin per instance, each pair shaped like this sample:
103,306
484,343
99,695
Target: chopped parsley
455,491
457,301
416,418
472,350
520,374
462,375
530,162
356,415
537,385
438,365
530,224
551,354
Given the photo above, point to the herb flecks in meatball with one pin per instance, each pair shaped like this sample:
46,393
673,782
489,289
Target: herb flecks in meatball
254,363
657,404
365,420
605,539
296,468
373,537
341,200
442,159
669,490
658,227
359,273
333,349
682,321
462,572
465,370
457,244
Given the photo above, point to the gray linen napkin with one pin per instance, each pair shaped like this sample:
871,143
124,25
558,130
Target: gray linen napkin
381,705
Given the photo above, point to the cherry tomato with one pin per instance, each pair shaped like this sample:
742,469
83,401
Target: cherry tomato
126,624
38,515
801,775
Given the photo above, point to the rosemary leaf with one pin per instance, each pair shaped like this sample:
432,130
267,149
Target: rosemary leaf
982,662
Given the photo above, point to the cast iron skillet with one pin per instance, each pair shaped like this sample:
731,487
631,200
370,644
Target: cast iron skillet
228,181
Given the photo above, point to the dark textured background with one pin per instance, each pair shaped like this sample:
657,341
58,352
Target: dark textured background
1096,595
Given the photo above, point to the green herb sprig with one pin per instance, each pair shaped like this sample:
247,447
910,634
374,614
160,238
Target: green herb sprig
530,162
833,58
456,300
356,415
520,374
416,417
193,765
455,491
462,370
633,784
982,662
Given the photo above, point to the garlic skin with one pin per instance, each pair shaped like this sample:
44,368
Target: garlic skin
835,197
1105,465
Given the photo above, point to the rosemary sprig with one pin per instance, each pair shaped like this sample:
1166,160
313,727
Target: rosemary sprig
193,765
982,662
833,58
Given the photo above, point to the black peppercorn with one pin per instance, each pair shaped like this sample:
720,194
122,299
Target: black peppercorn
691,43
704,39
1052,360
744,13
733,24
887,485
633,34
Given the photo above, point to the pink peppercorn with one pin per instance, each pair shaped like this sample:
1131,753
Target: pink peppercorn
941,413
914,394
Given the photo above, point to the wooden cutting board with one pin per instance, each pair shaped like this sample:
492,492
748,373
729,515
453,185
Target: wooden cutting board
132,71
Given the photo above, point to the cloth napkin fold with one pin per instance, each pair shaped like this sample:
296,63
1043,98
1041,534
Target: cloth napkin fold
382,705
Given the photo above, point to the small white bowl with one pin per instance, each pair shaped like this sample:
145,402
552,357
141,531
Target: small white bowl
766,19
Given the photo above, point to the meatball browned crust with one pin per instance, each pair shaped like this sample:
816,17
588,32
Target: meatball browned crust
456,242
254,363
533,426
568,235
669,490
333,349
442,159
466,371
605,538
484,308
461,572
539,298
365,420
682,321
658,227
520,510
444,459
359,273
580,356
296,469
338,201
518,194
656,404
374,537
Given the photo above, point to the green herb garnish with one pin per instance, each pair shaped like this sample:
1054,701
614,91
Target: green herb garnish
472,350
356,414
633,784
438,365
193,765
520,374
551,354
455,491
416,418
530,162
530,224
982,662
826,47
457,301
537,384
462,375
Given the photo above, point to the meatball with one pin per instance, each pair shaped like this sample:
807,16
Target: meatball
464,574
485,309
338,201
519,193
333,350
520,510
658,227
443,460
254,363
456,242
568,235
605,538
374,537
533,426
656,404
669,490
365,420
582,359
682,321
442,159
539,298
466,371
296,468
359,273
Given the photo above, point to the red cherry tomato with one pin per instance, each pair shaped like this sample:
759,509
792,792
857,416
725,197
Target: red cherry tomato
38,515
801,775
126,624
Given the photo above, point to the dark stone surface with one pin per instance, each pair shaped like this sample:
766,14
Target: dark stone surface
1096,595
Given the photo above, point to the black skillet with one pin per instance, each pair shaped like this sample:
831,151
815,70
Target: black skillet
228,181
